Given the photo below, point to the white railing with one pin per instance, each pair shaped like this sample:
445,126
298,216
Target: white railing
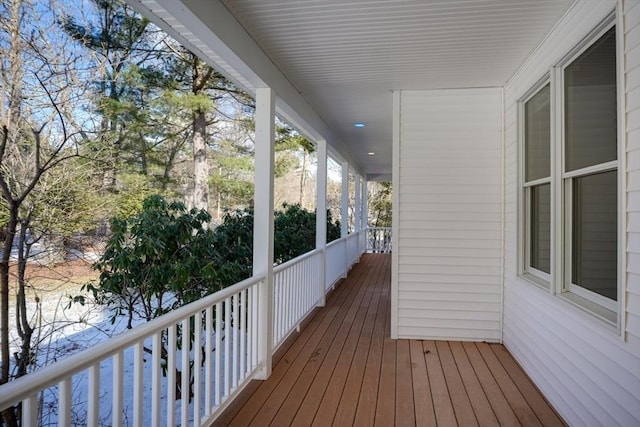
379,239
198,358
141,376
297,289
336,255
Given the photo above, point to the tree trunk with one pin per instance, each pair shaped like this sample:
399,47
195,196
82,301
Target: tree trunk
303,177
25,330
8,415
200,166
202,73
4,293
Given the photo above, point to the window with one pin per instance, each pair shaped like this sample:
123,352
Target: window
590,172
580,166
537,183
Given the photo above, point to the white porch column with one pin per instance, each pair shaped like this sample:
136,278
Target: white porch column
365,202
263,224
357,183
321,216
344,211
364,215
344,216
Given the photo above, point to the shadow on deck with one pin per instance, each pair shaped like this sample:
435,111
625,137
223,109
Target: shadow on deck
343,369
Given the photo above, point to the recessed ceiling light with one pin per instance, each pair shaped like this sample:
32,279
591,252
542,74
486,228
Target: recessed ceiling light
358,124
371,153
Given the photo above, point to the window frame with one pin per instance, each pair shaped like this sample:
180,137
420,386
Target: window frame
602,307
558,282
527,271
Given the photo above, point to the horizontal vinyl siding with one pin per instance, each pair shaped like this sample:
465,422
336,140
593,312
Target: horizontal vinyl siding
632,81
450,211
588,372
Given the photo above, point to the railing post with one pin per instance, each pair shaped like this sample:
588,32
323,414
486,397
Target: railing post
365,201
321,217
263,224
357,201
344,216
364,216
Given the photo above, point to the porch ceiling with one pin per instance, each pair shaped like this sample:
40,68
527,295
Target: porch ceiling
345,57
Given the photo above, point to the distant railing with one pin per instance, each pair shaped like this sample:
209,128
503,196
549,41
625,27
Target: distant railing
207,350
186,366
379,239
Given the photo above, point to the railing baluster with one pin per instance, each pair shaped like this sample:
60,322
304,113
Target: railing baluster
243,334
254,328
280,313
138,390
227,347
156,383
290,304
64,402
299,294
235,365
185,376
30,411
93,397
172,345
197,363
208,366
296,300
218,374
116,416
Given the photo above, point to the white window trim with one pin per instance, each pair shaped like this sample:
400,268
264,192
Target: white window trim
526,271
558,282
592,302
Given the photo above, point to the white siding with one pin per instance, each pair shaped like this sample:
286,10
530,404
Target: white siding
587,370
450,221
632,79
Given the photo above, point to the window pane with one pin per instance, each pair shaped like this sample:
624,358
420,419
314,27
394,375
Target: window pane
594,233
590,105
537,128
540,228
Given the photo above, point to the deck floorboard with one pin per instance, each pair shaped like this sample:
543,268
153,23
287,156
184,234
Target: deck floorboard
343,369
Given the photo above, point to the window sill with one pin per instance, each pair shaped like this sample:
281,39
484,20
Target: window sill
604,314
531,278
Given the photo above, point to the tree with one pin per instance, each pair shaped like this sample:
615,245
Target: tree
295,151
294,235
380,203
38,136
203,93
295,232
156,260
119,41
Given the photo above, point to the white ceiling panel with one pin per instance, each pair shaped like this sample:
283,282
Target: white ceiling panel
346,56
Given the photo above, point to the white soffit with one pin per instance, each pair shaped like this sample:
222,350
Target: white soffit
345,57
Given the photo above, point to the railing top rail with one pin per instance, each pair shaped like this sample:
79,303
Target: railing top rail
337,241
379,228
355,234
32,383
296,260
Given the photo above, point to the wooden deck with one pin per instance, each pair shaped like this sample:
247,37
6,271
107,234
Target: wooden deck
343,369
